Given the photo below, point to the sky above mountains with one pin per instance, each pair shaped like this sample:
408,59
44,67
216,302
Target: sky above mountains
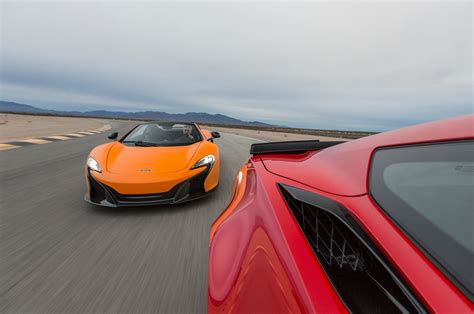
337,65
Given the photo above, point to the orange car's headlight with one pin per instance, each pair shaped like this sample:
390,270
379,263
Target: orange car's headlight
205,161
92,164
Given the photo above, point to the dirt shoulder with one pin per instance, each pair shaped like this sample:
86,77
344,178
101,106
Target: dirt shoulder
19,126
269,136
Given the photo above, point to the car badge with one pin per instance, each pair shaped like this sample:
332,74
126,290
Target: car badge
145,170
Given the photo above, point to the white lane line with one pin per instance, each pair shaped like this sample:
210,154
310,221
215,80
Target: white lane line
4,146
75,135
8,146
59,137
35,141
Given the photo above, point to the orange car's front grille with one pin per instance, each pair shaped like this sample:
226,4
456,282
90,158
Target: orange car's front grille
103,194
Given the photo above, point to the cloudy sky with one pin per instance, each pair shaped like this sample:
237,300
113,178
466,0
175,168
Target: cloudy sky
341,65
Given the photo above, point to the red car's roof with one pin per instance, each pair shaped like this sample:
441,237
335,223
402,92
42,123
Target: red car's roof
343,169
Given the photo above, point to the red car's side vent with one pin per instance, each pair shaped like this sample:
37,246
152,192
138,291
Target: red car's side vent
330,239
356,268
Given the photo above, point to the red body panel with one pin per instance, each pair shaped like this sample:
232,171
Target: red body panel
259,260
342,169
253,268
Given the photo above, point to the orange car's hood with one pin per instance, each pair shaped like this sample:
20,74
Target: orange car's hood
123,159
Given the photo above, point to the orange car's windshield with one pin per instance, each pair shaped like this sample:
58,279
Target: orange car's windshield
162,134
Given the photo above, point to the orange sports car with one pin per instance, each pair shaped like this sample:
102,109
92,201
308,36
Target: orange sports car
154,163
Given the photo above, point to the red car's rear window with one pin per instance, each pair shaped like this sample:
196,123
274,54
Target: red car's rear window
428,191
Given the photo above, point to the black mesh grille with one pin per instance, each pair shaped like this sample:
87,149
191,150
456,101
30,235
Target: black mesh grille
362,280
328,238
139,198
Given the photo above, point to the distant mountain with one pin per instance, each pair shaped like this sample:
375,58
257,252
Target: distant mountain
202,117
7,106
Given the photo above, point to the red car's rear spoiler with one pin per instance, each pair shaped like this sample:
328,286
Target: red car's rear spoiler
290,147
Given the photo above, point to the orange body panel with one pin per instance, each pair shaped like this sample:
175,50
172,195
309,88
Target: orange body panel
206,134
148,170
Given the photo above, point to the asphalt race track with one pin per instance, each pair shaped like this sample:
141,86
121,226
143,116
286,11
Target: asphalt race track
60,254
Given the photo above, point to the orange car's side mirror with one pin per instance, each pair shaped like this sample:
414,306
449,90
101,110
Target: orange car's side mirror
113,136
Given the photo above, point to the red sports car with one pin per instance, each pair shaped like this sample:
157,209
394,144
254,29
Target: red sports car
379,224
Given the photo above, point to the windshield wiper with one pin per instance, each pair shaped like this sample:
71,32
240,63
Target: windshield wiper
140,143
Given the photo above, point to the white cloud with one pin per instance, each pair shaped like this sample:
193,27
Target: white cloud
324,64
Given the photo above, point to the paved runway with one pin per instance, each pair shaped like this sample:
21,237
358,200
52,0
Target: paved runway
60,254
